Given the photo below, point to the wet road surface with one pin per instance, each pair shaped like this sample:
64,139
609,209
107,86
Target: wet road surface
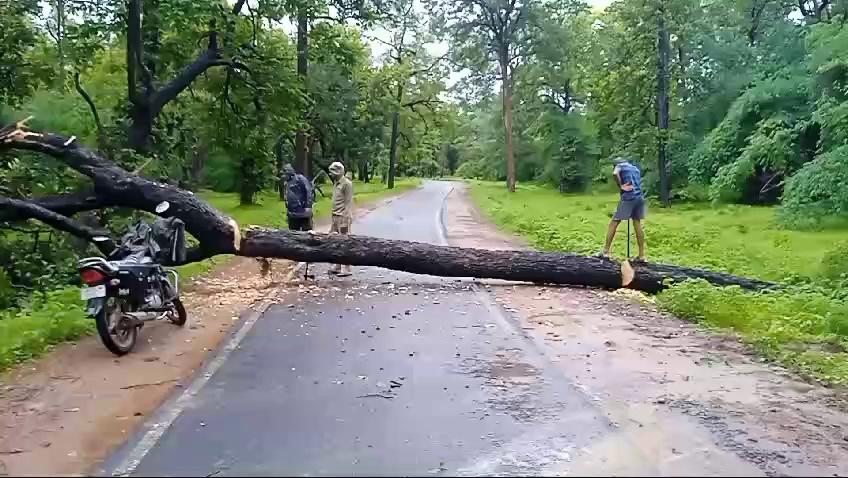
384,373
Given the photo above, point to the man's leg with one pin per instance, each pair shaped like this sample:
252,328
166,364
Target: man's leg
640,238
307,227
344,270
613,226
334,228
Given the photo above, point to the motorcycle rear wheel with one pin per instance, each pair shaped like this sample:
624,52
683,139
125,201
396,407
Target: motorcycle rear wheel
119,340
178,315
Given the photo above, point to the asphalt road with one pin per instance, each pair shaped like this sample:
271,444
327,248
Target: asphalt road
384,373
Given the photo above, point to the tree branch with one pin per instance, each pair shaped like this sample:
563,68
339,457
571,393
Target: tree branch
101,134
209,58
328,17
218,234
134,47
238,6
64,204
432,65
58,221
422,101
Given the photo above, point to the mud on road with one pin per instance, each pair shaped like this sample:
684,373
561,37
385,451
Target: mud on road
689,400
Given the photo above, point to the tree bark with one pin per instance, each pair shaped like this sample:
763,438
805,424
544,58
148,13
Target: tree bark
102,139
219,234
393,142
421,258
663,47
60,44
301,159
506,93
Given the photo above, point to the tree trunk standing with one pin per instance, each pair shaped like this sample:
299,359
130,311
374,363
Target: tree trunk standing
663,46
506,93
198,163
278,164
681,83
248,183
141,128
393,143
301,163
60,44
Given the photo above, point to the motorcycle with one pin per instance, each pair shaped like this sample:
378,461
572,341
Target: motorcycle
132,285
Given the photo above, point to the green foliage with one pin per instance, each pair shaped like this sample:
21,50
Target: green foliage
52,318
807,331
817,191
757,132
19,39
834,264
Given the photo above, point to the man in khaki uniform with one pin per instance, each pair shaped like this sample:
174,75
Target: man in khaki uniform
342,209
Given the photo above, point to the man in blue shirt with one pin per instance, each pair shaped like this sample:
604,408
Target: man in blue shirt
631,206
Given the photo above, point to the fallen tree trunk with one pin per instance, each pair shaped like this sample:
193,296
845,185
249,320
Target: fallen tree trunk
516,265
218,234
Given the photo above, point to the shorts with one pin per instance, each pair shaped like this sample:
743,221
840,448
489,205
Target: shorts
300,223
630,209
341,225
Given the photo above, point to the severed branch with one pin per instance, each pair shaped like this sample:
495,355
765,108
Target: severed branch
58,221
219,234
64,204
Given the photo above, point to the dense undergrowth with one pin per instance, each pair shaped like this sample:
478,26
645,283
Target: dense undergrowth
804,327
56,316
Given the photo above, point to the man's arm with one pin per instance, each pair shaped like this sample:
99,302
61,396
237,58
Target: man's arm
310,192
348,195
616,172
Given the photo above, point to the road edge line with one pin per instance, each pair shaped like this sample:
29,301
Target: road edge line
170,411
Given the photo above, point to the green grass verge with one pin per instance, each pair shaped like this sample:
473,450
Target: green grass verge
743,240
51,318
59,316
804,327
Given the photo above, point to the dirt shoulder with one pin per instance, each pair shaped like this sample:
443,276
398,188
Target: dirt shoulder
685,401
65,412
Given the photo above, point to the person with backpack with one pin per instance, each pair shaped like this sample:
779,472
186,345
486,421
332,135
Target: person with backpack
299,198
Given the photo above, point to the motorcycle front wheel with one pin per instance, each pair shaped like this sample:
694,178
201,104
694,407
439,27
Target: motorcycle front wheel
112,327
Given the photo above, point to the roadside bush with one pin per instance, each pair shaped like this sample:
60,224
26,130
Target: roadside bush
473,170
834,264
817,191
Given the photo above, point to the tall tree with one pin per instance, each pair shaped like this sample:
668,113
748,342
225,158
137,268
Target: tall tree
306,13
487,33
663,52
407,50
